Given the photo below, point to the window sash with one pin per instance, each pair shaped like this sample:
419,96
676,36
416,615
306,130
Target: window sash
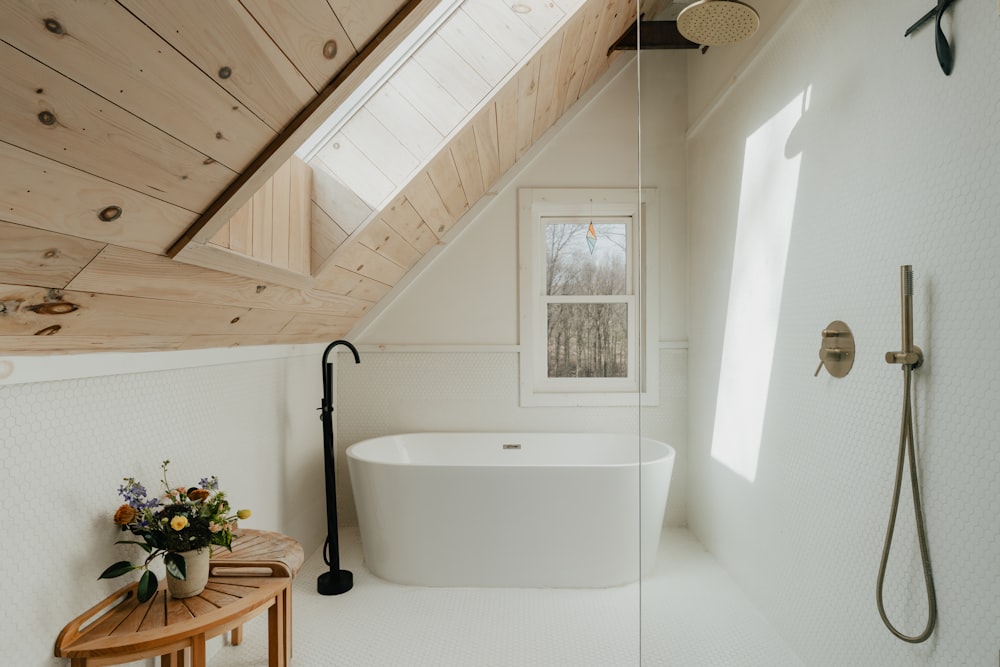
538,207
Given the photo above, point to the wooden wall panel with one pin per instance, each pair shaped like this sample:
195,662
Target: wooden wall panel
504,26
71,313
30,256
591,12
466,154
281,223
337,200
387,242
506,110
444,176
48,195
409,126
300,214
126,272
402,218
451,71
466,36
325,238
219,259
341,281
302,30
364,261
428,98
85,285
527,93
241,230
354,168
318,326
56,344
363,18
103,47
484,126
222,34
545,102
567,62
380,145
260,222
85,131
426,201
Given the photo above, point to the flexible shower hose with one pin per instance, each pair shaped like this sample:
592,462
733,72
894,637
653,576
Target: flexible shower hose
906,447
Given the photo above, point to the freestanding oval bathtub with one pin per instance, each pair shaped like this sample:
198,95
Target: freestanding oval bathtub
510,509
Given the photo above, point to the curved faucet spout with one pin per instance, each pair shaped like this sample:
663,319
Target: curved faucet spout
347,344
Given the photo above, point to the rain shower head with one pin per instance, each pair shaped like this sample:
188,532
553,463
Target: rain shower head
717,22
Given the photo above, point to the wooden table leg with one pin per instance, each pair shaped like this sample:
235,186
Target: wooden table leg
277,637
173,659
236,637
288,623
198,658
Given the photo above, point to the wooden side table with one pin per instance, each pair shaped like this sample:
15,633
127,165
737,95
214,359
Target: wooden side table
250,544
119,629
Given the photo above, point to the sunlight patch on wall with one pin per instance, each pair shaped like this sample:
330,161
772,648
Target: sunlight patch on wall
764,227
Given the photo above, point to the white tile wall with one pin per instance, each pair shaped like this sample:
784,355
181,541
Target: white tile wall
899,165
66,445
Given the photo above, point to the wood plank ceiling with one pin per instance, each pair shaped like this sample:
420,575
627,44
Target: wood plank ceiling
149,195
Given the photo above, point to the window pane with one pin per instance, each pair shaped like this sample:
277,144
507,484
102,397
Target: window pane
588,340
580,263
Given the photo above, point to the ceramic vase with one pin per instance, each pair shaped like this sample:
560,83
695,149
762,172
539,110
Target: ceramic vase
196,563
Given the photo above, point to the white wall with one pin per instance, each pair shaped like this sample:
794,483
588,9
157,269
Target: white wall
853,135
67,443
454,330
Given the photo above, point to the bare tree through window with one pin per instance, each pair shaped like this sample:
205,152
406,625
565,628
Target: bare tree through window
587,336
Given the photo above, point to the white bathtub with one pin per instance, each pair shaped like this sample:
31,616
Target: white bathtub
510,509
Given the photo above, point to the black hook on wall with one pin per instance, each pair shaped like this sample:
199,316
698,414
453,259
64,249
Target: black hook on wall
944,54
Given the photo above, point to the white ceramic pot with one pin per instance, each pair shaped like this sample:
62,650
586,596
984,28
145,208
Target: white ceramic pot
196,563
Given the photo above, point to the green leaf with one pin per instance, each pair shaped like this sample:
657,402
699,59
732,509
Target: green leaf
145,546
117,570
176,565
147,586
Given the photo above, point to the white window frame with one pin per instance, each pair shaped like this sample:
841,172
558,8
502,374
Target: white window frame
535,207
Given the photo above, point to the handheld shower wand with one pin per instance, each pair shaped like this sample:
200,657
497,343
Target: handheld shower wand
910,357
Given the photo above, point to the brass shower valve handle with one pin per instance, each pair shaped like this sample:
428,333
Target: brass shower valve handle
836,352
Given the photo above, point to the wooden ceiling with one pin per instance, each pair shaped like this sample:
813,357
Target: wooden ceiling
150,198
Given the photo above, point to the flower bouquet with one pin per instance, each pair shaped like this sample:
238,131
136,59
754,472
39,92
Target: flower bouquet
183,519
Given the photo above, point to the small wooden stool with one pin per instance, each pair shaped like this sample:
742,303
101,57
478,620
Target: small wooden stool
264,545
120,629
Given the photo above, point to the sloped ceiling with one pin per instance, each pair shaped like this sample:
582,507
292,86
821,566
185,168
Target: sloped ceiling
150,198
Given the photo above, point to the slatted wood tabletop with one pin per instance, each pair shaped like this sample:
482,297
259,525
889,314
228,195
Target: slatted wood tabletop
263,545
121,629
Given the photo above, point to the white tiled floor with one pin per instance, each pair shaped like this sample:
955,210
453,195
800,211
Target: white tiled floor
691,614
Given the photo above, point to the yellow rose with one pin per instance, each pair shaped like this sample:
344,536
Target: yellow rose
243,514
179,522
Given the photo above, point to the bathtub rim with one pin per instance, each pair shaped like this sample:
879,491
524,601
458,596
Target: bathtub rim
668,451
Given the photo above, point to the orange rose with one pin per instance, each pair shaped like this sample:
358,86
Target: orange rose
124,515
198,494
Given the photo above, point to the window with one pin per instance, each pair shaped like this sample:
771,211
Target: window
586,277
